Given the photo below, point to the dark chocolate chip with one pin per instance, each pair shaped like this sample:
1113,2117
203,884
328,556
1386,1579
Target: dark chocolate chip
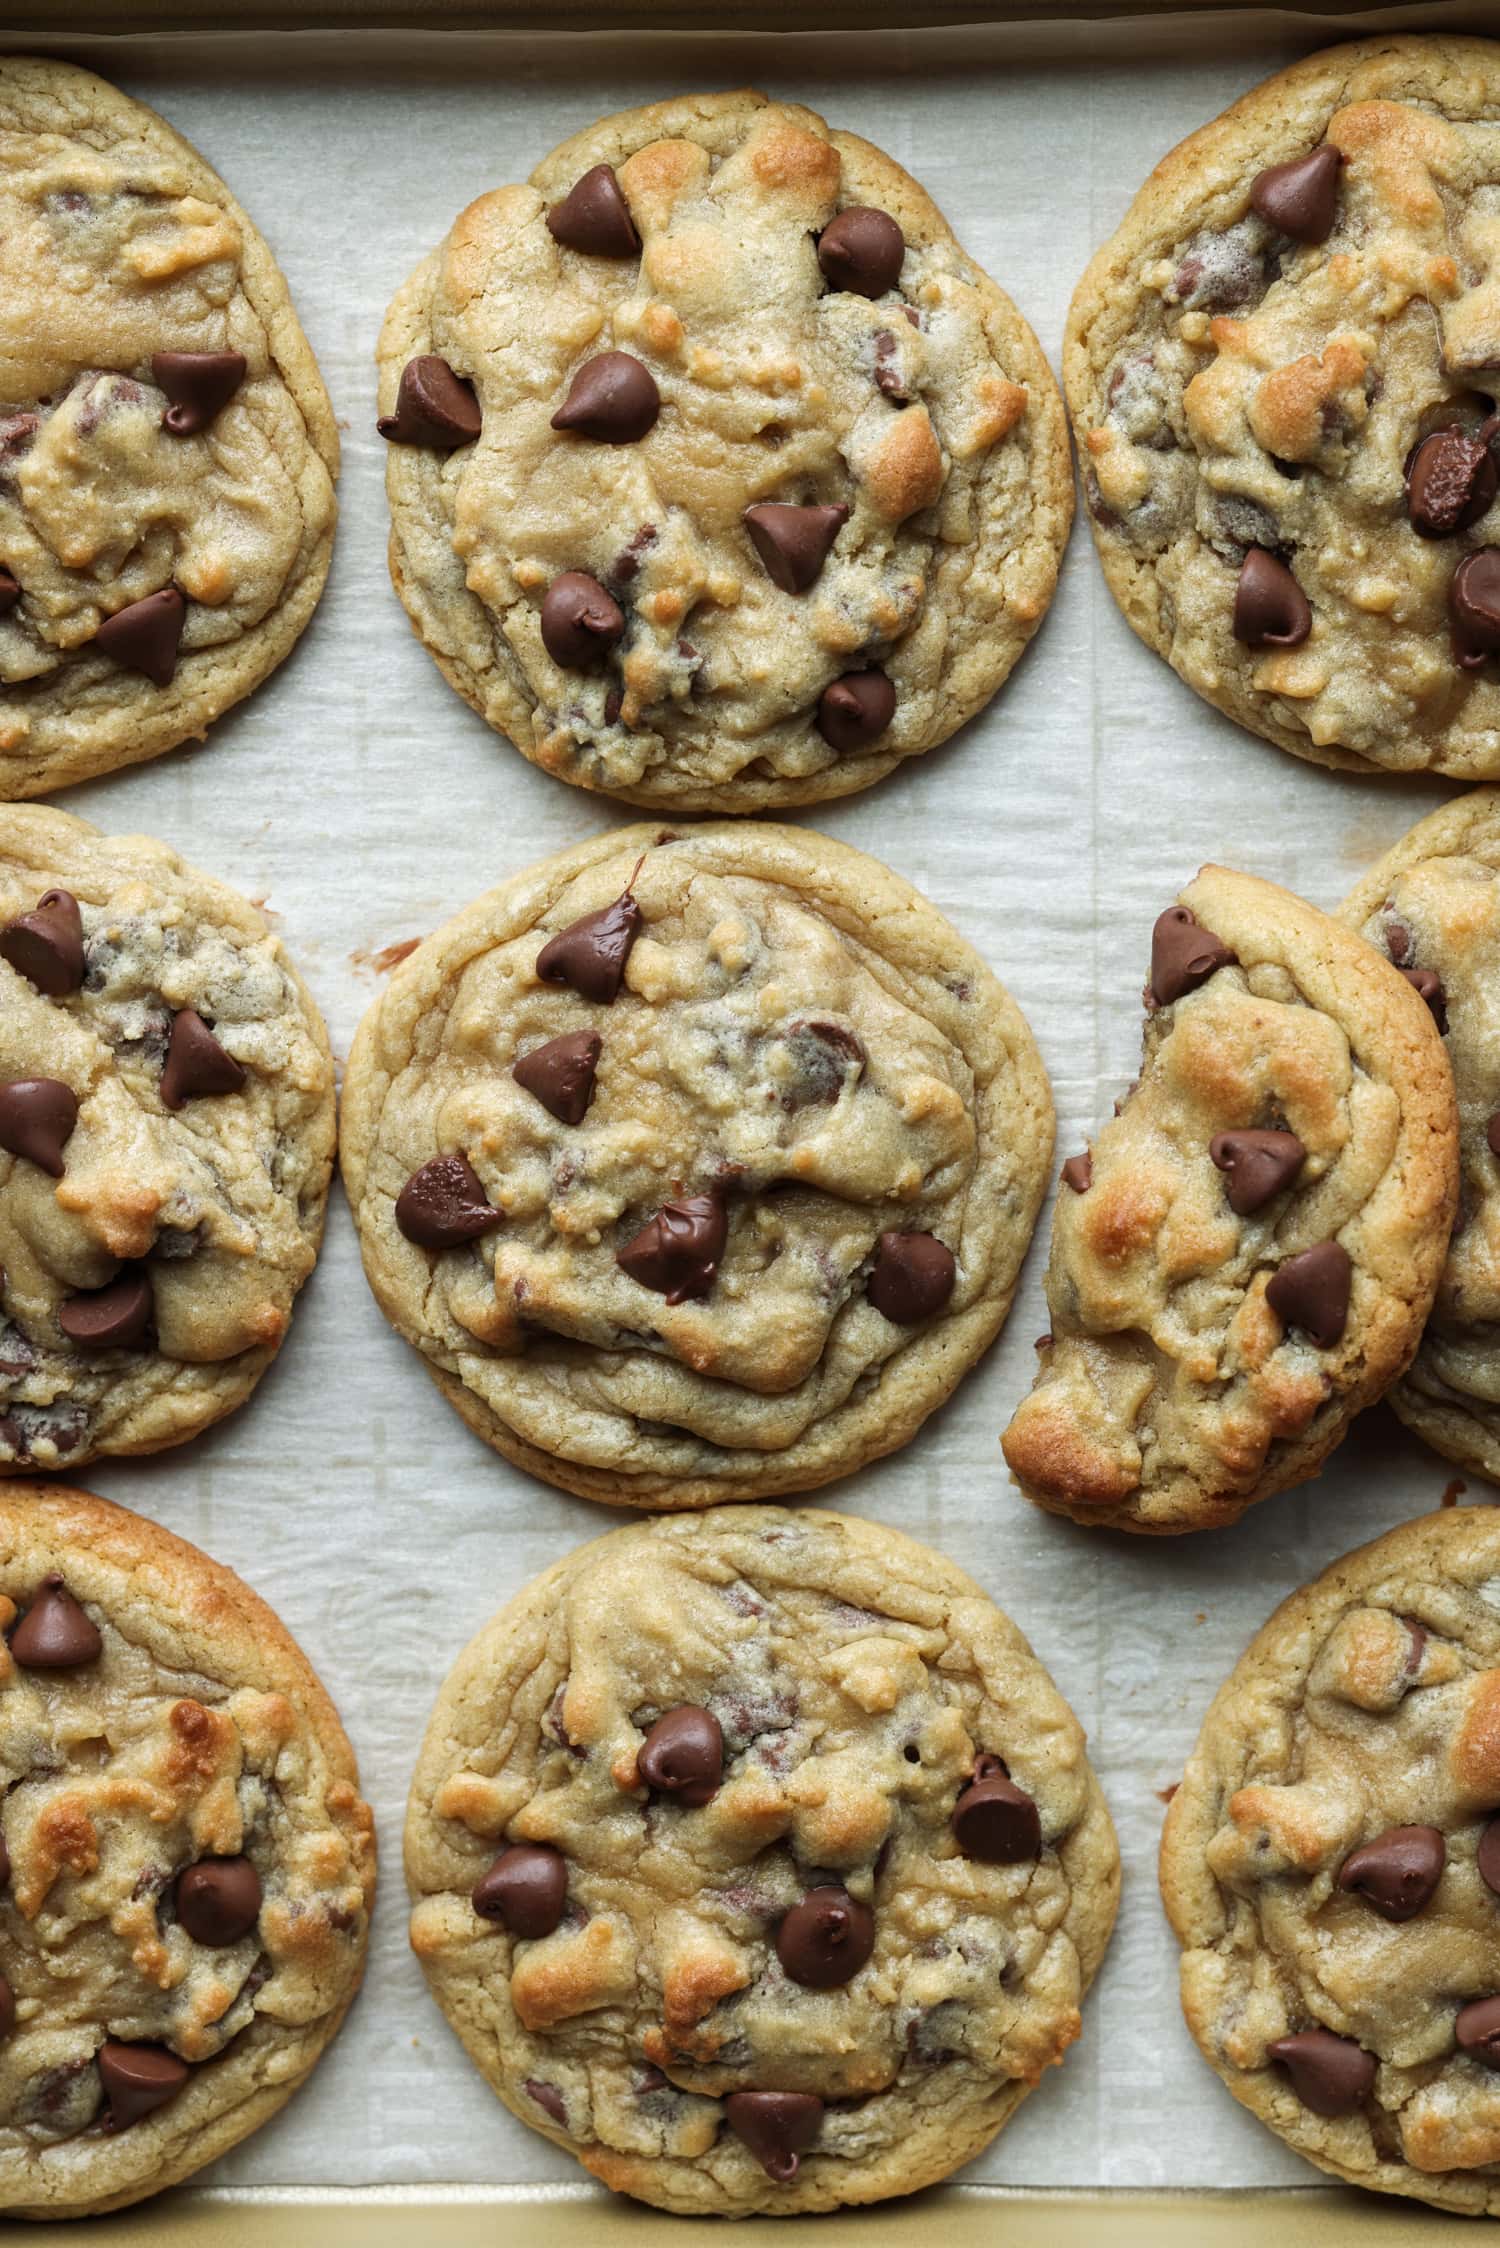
144,637
1429,987
1398,1873
218,1900
594,217
590,954
55,1633
37,1116
856,710
46,945
1078,1172
434,407
444,1204
198,384
112,1318
612,398
1312,1292
7,2007
1330,2075
1474,607
677,1252
10,591
1450,482
137,2080
1300,198
1270,608
912,1277
1477,2031
196,1064
525,1889
1256,1165
1183,955
826,1938
1488,1856
580,621
548,2099
826,1058
862,251
4,1862
776,2127
994,1821
793,542
561,1074
1492,1133
683,1755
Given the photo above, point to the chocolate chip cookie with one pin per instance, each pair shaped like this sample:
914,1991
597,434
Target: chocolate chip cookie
166,1140
758,1862
1331,1865
1246,1255
1281,375
1433,906
167,449
720,478
697,1166
186,1867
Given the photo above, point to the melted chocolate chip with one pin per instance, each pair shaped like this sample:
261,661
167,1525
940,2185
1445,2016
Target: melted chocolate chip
912,1278
434,407
1488,1856
776,2127
590,954
1300,198
1477,2031
46,945
1311,1291
196,1065
825,1939
198,386
677,1252
612,398
144,637
683,1755
137,2080
1474,607
856,710
1270,608
1492,1133
37,1116
1256,1166
1330,2075
525,1889
10,591
444,1204
1429,987
548,2099
793,542
55,1633
826,1058
1398,1873
580,621
1183,955
112,1318
994,1821
218,1900
561,1074
1450,482
862,251
1078,1172
594,217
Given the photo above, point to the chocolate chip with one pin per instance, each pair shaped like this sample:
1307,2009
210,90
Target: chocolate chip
1474,606
1398,1873
1429,987
580,621
594,217
7,2007
444,1204
856,710
590,954
144,637
112,1318
1450,482
1330,2075
10,591
1270,608
995,1821
1183,955
46,945
4,1862
218,1900
525,1889
677,1253
889,380
434,407
776,2127
793,542
55,1633
1488,1856
1300,198
138,2079
825,1057
561,1074
912,1277
683,1755
196,1064
1312,1292
37,1116
1477,2031
1492,1133
1078,1172
825,1939
548,2099
612,399
862,251
199,385
1256,1165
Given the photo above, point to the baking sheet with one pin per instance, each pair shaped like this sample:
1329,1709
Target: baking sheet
363,802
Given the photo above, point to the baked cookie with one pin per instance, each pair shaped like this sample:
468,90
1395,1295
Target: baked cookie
186,1867
720,478
1281,375
166,1139
1433,905
1245,1256
167,449
1331,1865
757,1861
697,1167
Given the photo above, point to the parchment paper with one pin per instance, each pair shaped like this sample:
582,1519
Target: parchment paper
363,802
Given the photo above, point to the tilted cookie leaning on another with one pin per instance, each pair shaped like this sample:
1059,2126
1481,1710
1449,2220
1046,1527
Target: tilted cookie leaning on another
1281,377
697,1166
1245,1256
720,478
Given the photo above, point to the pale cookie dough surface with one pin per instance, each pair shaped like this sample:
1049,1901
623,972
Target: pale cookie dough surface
1170,1394
1231,388
797,1029
117,242
1434,903
1367,1702
855,1675
943,434
220,1204
196,1732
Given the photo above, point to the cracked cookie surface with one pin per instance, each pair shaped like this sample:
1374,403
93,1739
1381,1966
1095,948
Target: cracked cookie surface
118,245
188,1866
1330,1866
1250,363
787,367
166,1142
849,1681
765,1196
1246,1257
